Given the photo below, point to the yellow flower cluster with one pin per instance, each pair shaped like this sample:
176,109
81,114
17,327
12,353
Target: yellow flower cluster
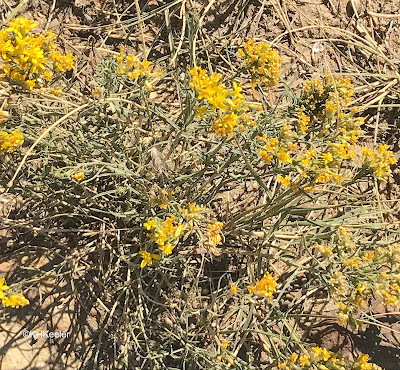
29,59
303,120
379,161
228,106
132,67
225,126
193,219
316,147
264,287
165,233
325,97
9,142
193,214
325,250
78,176
321,358
279,149
388,282
285,181
262,61
327,175
270,149
293,361
362,363
209,87
359,274
13,300
214,233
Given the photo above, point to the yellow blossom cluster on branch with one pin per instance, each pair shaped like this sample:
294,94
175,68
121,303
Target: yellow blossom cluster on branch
321,358
134,68
264,287
214,233
166,233
28,59
12,300
379,161
315,147
225,106
262,61
358,274
9,142
322,98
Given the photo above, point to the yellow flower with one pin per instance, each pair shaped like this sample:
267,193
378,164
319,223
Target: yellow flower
193,208
78,176
303,120
3,287
345,237
266,157
201,111
323,97
9,142
309,189
214,233
165,233
353,262
284,157
209,87
284,366
287,131
225,125
368,257
262,61
327,157
285,181
234,289
331,107
321,353
22,24
62,62
379,161
363,363
326,251
25,54
390,299
265,287
236,91
149,224
225,344
31,84
15,300
308,155
48,75
56,92
326,175
304,360
148,258
167,249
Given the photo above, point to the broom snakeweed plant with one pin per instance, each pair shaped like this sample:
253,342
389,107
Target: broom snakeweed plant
196,264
